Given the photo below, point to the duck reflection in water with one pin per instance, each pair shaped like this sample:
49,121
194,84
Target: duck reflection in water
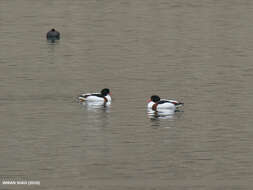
96,107
155,115
96,117
163,119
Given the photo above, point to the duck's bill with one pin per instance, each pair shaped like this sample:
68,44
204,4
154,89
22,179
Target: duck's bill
81,99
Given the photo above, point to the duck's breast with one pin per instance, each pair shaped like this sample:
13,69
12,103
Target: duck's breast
150,104
108,97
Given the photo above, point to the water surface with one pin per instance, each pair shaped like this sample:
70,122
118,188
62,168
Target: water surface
198,52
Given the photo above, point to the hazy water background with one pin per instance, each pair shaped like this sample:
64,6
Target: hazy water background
199,52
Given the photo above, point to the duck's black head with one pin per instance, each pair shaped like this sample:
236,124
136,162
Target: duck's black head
155,98
105,92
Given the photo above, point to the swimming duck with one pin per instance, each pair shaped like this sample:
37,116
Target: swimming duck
157,104
96,98
53,34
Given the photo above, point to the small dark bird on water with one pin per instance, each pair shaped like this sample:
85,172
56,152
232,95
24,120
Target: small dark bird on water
53,34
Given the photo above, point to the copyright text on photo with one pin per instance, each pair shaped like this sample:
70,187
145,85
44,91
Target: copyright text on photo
17,180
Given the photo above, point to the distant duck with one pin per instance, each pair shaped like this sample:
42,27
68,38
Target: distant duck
101,98
157,104
53,34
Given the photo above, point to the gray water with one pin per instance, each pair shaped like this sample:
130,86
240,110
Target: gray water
198,52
